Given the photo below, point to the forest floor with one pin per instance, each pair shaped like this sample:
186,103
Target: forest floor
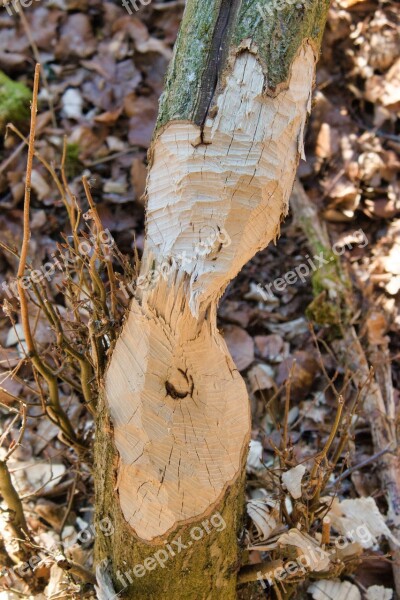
103,73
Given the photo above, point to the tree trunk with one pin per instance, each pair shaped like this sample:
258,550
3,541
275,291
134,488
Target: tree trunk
174,422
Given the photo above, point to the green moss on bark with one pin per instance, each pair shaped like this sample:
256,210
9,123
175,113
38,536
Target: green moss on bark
14,101
278,27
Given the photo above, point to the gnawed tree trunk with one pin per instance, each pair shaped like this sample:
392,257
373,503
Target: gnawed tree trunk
174,421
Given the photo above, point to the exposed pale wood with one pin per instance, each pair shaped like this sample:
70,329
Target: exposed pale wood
239,181
177,403
180,414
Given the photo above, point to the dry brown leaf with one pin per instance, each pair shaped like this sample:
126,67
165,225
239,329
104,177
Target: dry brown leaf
301,369
393,286
327,143
142,111
9,387
272,347
370,166
385,89
291,329
377,326
240,345
345,194
46,431
17,185
381,42
109,117
382,208
261,377
58,584
9,357
76,39
40,185
51,512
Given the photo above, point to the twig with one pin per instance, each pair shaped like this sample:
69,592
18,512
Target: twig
323,454
71,493
100,230
258,571
46,165
13,501
5,164
17,443
360,465
100,161
55,406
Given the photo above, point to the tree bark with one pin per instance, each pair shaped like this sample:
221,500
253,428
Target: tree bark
174,422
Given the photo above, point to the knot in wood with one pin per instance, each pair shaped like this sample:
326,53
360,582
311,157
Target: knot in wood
179,385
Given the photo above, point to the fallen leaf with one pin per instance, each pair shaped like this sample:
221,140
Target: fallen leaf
51,512
261,377
378,592
76,39
240,345
31,476
377,326
301,368
318,560
327,143
361,520
370,166
264,516
334,590
385,89
143,114
393,286
109,117
254,456
291,329
58,584
292,480
39,185
391,262
272,347
72,103
9,387
45,432
345,195
259,294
